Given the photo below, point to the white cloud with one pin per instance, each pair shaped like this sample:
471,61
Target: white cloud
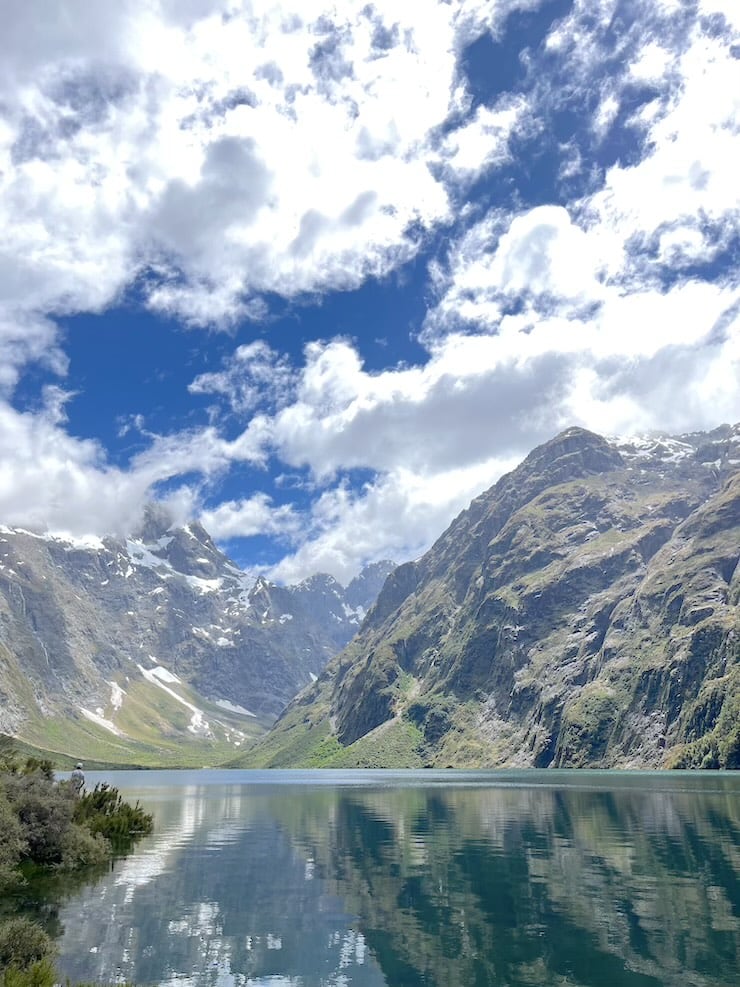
652,63
59,483
543,252
727,8
255,515
397,517
484,140
62,484
255,373
224,152
601,288
468,402
615,363
688,179
214,153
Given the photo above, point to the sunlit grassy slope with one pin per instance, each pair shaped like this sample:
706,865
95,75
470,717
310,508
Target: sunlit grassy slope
155,729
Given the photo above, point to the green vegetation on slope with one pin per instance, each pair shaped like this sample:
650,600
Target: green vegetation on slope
153,725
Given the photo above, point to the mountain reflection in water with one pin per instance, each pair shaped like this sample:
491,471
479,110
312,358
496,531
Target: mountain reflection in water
406,878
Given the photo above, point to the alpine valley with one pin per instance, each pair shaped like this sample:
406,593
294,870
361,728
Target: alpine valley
157,649
583,612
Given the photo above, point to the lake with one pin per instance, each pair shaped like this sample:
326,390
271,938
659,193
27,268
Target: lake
448,878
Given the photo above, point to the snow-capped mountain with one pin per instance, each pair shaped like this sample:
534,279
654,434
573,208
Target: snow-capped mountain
157,639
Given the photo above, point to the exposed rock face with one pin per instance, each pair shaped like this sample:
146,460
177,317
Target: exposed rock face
583,611
81,623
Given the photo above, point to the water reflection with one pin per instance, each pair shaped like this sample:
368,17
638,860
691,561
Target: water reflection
412,882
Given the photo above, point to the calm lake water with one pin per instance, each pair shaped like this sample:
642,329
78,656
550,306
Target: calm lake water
408,878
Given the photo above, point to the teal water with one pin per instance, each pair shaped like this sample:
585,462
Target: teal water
411,878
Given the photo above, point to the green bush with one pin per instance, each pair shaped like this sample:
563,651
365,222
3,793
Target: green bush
12,844
44,812
40,974
103,811
43,765
81,848
23,943
8,755
42,822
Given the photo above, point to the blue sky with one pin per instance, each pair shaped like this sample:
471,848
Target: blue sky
318,274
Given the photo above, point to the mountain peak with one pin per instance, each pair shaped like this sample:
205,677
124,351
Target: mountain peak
581,612
575,449
155,523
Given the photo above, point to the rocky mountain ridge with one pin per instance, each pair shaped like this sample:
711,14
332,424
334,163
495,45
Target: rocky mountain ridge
157,640
581,612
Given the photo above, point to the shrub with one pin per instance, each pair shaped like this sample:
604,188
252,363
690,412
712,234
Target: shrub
81,848
23,943
103,811
44,811
40,974
12,844
8,755
43,765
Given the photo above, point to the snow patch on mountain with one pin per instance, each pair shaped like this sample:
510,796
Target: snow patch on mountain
142,556
163,674
158,676
203,586
233,707
198,724
101,721
117,694
646,447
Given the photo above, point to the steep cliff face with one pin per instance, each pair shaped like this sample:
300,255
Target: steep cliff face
584,611
156,639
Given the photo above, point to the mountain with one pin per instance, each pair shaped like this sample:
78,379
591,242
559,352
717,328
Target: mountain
157,647
581,612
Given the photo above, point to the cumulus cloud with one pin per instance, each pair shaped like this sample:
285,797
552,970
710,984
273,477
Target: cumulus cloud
209,155
395,516
162,142
255,515
255,375
484,141
59,483
466,402
609,289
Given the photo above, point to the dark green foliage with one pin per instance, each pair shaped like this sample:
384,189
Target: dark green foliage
12,844
40,974
42,822
23,943
586,729
42,765
719,747
104,812
26,952
81,848
44,811
8,755
433,715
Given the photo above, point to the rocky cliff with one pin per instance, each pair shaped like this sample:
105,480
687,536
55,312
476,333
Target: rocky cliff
583,611
138,649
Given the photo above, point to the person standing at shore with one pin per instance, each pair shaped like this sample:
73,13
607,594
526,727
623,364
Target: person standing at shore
78,779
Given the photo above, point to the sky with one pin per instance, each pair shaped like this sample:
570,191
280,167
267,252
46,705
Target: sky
318,274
